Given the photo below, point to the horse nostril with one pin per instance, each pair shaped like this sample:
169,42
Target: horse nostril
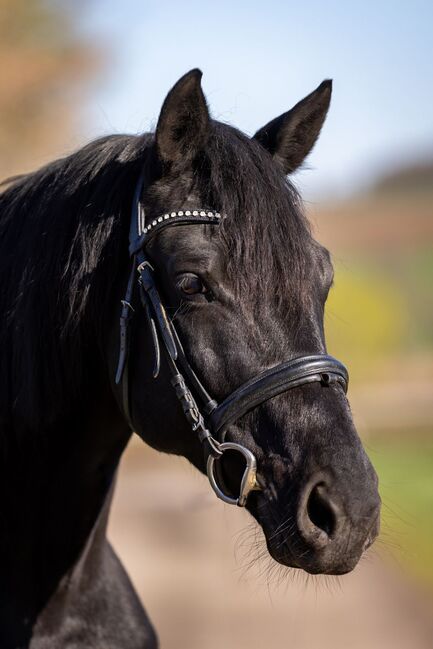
318,515
335,524
320,511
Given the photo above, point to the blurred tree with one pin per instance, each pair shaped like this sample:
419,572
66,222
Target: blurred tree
43,70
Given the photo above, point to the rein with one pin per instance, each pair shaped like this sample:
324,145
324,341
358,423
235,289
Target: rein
210,420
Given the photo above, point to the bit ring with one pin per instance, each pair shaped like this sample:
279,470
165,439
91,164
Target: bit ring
249,479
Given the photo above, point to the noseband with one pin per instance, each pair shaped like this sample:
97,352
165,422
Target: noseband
208,419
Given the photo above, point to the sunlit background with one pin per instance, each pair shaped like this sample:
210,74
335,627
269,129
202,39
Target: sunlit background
70,72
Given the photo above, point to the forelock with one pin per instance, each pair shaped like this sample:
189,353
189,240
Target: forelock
265,233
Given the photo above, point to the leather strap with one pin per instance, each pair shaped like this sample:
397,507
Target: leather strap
122,374
139,242
125,316
276,380
160,324
145,271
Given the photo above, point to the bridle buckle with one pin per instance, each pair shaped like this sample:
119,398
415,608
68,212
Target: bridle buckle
143,265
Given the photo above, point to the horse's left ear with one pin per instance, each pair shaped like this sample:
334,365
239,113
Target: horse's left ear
291,136
183,123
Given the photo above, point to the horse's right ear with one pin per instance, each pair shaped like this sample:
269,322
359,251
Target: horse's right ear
183,123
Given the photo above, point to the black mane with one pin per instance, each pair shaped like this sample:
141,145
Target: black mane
70,219
60,229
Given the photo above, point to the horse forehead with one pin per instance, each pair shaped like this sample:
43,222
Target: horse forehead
192,242
285,278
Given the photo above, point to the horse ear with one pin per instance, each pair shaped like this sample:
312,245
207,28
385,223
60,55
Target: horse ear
290,137
184,120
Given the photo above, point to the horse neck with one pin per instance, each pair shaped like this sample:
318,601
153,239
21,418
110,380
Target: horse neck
53,489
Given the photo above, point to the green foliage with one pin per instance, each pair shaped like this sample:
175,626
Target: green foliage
405,468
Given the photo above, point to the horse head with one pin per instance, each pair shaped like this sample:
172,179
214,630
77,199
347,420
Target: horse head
244,297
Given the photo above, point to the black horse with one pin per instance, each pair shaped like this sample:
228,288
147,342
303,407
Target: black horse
244,296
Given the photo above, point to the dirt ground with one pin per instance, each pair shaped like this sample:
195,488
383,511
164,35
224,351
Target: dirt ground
188,556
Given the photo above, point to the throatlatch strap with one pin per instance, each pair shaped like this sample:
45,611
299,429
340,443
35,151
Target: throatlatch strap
125,316
122,374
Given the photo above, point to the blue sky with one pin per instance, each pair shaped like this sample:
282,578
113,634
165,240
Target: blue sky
259,58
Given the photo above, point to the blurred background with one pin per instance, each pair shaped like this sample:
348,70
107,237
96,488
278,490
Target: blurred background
70,72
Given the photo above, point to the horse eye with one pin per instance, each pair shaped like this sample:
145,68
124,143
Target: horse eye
191,285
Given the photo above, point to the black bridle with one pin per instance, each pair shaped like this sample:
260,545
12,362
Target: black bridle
209,420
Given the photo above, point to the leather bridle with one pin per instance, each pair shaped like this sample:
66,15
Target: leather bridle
208,419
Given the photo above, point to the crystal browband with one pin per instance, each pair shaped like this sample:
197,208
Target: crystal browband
174,218
208,214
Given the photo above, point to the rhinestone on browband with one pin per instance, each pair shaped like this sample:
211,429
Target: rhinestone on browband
200,214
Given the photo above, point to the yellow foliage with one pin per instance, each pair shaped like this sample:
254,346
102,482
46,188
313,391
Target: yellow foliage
366,317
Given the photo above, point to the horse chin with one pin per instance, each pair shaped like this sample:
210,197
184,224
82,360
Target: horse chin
312,563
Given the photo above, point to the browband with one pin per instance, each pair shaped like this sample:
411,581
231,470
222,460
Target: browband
182,217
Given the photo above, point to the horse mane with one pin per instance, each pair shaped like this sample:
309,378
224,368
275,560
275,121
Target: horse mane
59,225
63,245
